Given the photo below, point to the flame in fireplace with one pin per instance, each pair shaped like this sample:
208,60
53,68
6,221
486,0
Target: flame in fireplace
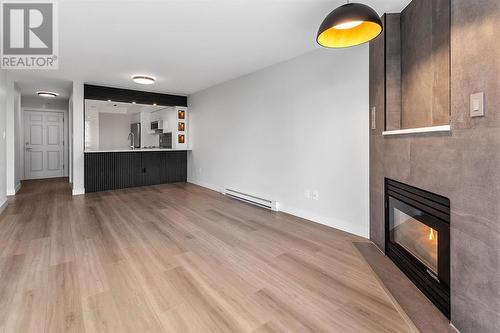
432,235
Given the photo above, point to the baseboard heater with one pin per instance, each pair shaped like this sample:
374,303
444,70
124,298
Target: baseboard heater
252,199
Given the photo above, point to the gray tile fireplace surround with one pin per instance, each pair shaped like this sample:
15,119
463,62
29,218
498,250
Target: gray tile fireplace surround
463,165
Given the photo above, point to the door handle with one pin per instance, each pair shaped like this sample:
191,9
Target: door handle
28,148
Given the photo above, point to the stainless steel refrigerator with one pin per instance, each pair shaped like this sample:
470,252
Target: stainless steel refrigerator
135,129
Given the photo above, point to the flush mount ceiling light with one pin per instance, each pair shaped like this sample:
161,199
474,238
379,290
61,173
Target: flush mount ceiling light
349,25
143,79
49,94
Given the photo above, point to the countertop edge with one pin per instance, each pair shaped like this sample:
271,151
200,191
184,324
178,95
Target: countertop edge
133,150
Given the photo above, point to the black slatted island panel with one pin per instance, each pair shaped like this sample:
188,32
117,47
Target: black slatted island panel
114,170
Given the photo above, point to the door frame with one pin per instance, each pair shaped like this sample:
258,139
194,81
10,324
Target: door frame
65,140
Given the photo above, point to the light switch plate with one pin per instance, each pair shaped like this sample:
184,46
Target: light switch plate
477,104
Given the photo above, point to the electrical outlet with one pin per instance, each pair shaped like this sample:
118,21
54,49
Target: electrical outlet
307,194
315,195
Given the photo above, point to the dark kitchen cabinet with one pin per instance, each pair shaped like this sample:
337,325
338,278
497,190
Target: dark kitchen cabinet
151,166
175,167
114,170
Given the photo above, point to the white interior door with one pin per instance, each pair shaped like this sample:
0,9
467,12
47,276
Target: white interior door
44,144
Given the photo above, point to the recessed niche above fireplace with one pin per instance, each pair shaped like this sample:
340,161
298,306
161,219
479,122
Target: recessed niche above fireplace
417,230
417,68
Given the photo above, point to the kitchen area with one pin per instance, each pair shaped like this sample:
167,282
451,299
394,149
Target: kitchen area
134,138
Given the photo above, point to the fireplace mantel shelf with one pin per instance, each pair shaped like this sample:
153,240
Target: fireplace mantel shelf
443,128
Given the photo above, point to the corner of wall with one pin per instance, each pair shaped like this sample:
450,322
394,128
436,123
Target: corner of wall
3,174
77,191
77,116
201,183
12,91
356,229
13,191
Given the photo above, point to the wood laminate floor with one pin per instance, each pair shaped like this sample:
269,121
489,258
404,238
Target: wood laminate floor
178,258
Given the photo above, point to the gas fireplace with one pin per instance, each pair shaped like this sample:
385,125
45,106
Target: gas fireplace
417,239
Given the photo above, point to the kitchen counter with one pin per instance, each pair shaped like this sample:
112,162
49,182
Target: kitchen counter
128,150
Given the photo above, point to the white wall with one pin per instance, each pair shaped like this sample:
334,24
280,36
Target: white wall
296,126
114,130
13,114
91,130
3,172
70,134
77,117
146,137
18,140
44,103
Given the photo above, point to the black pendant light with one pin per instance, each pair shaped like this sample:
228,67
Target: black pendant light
349,25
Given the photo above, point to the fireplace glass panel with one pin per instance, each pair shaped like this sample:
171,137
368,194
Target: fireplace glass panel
417,238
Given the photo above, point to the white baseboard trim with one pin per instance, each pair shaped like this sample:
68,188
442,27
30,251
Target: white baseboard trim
78,191
205,184
329,222
13,191
3,205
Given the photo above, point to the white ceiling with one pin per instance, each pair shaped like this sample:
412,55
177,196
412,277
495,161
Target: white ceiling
188,45
33,83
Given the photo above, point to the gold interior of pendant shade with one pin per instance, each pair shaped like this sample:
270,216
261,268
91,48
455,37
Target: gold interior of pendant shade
349,37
